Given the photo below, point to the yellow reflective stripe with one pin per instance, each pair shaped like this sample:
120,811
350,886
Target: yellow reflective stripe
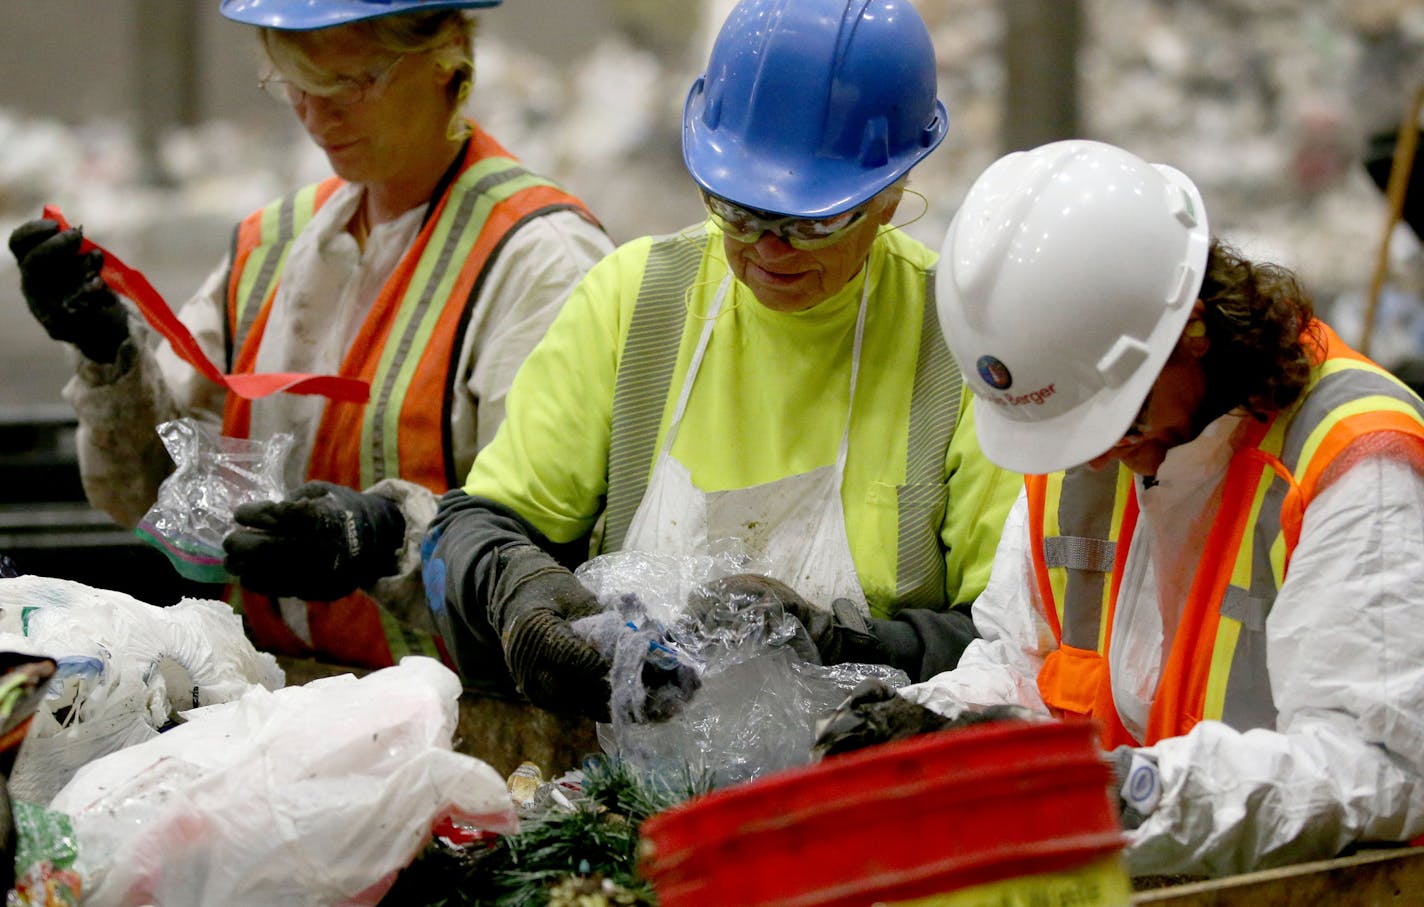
435,275
1241,570
1057,576
1374,403
1223,651
254,265
1120,499
1278,559
281,221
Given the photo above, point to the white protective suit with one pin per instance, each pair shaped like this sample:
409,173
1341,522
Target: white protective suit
1345,653
327,288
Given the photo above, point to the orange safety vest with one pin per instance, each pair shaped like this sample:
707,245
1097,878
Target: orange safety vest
1216,669
406,348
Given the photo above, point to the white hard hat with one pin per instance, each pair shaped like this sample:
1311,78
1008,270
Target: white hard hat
1064,282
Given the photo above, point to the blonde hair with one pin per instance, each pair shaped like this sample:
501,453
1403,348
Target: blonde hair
449,35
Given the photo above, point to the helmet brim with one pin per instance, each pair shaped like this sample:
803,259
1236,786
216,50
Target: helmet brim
792,186
306,15
1066,440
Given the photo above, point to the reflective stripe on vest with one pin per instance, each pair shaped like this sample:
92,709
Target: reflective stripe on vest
645,374
1217,667
405,348
934,412
644,380
260,250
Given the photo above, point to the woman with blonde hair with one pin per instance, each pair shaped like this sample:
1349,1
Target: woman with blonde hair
429,264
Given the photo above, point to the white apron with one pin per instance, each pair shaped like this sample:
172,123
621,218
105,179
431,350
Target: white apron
793,528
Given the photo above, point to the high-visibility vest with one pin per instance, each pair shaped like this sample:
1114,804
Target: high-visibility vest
406,348
1216,670
645,381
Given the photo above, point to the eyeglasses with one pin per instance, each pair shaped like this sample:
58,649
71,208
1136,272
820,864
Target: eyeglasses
341,91
805,233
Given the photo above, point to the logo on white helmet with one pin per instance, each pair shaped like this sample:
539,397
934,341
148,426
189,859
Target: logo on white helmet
996,374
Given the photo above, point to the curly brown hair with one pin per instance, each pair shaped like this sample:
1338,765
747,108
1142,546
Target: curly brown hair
1257,317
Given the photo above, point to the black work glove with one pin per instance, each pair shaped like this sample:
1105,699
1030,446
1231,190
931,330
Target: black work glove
760,598
65,292
320,543
534,602
875,713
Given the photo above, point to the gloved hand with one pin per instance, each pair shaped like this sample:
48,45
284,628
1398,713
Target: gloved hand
1136,785
534,602
830,637
734,598
321,542
875,713
65,292
919,642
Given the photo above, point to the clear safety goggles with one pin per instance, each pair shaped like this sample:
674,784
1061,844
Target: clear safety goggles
805,233
341,91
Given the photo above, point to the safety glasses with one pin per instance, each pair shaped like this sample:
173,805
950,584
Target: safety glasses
1141,423
805,233
341,91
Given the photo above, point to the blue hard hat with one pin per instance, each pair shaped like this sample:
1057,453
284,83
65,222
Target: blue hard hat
301,15
810,107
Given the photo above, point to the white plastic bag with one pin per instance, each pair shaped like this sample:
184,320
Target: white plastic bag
125,670
310,795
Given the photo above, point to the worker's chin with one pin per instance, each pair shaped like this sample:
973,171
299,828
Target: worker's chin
1145,459
1142,458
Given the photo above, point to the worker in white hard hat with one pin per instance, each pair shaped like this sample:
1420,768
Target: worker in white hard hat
1218,553
428,266
774,375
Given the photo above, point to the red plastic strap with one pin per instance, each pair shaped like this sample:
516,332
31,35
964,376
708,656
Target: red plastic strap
250,386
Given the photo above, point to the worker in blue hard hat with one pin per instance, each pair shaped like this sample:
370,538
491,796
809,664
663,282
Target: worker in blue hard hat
429,264
773,375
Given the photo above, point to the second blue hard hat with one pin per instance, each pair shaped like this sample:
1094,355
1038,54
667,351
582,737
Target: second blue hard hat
302,15
810,107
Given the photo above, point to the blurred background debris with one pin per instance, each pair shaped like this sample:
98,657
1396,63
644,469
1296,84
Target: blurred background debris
142,120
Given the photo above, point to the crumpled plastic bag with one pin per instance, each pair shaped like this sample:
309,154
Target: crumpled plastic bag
124,671
310,795
716,701
212,475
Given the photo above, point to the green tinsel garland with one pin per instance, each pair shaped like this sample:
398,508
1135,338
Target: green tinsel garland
586,857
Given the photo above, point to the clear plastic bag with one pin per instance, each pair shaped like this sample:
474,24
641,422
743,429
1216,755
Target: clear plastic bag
719,700
212,475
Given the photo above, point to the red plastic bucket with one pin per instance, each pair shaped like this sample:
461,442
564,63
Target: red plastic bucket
989,805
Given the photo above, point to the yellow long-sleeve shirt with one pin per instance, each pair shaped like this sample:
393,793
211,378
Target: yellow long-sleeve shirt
769,401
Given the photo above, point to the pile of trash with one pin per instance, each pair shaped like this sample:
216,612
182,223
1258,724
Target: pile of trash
165,761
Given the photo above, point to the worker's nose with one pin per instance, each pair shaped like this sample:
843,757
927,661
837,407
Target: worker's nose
770,245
